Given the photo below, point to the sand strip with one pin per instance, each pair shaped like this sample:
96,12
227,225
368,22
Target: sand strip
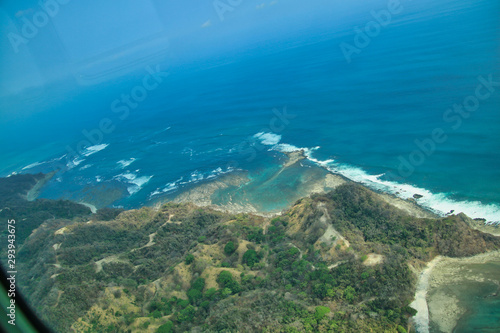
421,319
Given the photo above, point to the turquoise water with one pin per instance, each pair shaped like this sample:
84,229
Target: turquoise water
217,115
483,313
482,301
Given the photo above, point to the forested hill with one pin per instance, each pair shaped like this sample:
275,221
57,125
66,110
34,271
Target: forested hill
29,215
339,262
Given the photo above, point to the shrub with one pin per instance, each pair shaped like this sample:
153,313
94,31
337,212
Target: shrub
183,303
226,292
187,314
230,248
401,329
194,295
189,259
349,293
250,258
225,280
320,312
117,293
205,305
210,293
168,327
198,284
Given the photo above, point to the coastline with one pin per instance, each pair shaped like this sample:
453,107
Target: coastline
119,190
480,224
437,309
295,167
408,206
93,208
34,192
421,319
439,306
201,195
314,179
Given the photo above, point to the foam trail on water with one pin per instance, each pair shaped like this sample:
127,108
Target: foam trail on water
94,149
125,163
87,152
33,165
74,163
194,177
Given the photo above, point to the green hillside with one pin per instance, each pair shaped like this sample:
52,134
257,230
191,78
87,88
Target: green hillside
340,262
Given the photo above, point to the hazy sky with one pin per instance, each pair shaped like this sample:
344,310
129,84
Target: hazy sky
95,39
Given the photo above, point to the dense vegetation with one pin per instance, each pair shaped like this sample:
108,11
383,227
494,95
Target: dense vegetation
29,215
339,262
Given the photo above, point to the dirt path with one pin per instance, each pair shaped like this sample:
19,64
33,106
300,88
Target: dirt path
59,294
337,264
153,235
107,260
300,251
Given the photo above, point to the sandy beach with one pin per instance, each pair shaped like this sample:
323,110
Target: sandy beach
421,319
35,190
93,208
438,305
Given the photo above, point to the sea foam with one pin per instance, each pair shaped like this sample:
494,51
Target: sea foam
167,188
136,183
86,153
94,149
33,165
268,139
125,163
440,203
194,177
77,161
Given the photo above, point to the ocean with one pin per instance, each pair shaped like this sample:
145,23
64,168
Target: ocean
481,301
414,111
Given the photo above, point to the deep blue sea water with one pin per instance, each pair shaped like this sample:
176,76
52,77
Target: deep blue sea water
360,119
